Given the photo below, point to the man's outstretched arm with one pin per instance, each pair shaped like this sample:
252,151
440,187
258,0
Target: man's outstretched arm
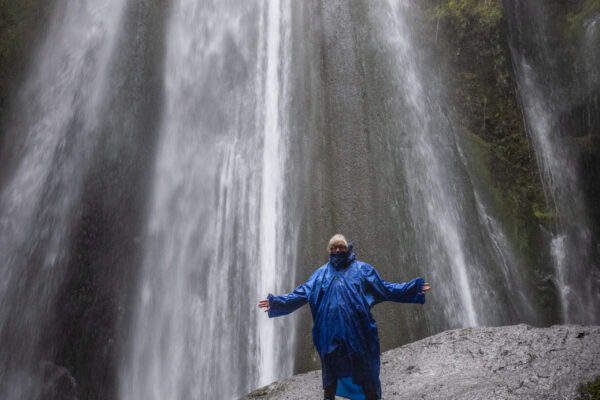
281,305
379,290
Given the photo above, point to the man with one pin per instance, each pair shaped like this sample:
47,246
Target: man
341,294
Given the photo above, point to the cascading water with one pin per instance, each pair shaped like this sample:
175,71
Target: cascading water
397,179
271,215
458,243
214,236
275,119
437,205
547,96
52,139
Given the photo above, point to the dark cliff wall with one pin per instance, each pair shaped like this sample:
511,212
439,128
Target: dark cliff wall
22,25
93,310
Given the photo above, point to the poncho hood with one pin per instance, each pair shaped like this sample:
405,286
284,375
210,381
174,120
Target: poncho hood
342,259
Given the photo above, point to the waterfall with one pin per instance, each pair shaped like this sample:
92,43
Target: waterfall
391,170
547,97
53,138
457,242
272,184
436,205
215,234
155,186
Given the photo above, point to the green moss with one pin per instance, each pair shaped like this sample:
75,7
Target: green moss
586,144
575,19
544,216
590,390
461,13
261,392
480,156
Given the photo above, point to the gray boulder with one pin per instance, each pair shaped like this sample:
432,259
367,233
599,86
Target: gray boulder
510,362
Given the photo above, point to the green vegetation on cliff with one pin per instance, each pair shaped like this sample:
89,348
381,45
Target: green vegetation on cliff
474,35
472,39
576,16
591,390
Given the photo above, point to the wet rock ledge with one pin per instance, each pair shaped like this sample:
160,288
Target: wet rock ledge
511,362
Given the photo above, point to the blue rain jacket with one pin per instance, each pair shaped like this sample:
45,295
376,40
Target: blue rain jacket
341,294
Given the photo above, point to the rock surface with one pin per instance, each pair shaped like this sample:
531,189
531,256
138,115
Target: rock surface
512,362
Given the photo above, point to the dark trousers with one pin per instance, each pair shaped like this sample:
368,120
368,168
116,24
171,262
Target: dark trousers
330,392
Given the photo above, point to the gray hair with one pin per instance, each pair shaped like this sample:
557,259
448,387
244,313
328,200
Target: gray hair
337,239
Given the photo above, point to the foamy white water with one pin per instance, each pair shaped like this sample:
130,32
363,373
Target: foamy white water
212,242
272,168
426,170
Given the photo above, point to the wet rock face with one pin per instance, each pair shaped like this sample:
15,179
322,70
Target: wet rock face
509,362
58,383
513,362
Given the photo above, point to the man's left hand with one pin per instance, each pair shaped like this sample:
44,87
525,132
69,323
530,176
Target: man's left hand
265,304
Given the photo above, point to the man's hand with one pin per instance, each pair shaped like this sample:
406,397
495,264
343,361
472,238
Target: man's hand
265,304
426,286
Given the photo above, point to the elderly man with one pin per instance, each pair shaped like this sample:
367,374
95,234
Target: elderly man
341,294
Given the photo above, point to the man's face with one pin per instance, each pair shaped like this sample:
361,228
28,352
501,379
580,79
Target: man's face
338,248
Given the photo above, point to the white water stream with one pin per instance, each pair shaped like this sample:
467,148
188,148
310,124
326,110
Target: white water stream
543,99
213,242
426,167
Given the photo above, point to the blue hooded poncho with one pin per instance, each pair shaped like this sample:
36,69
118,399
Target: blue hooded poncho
341,294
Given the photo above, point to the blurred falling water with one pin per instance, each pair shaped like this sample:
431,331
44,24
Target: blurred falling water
376,152
435,202
548,94
51,142
458,243
215,228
